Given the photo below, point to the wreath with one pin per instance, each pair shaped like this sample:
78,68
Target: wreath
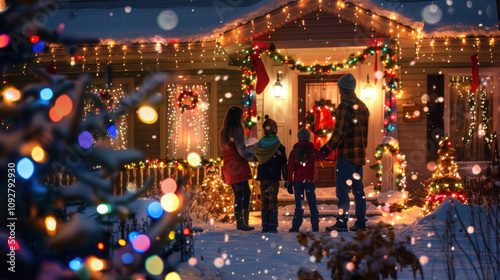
324,127
186,94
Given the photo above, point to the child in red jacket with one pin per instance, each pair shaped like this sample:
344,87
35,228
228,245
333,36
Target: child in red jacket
301,173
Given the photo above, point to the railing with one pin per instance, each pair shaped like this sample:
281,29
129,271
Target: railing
133,179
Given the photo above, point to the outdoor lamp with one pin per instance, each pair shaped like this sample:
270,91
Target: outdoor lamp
278,87
369,89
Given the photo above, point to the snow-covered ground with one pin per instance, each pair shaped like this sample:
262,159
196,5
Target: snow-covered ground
254,255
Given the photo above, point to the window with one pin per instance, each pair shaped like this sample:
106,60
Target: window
189,130
471,117
116,134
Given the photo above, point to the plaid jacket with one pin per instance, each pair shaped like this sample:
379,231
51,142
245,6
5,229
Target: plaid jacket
350,134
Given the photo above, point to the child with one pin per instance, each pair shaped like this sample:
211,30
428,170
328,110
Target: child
271,155
236,168
301,171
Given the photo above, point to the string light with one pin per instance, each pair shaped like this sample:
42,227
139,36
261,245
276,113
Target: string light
394,149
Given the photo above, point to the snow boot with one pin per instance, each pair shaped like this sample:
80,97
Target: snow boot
240,222
273,221
265,219
297,218
246,216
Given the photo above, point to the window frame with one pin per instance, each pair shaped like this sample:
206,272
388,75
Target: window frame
485,71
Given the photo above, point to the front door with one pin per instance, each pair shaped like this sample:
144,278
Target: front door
318,101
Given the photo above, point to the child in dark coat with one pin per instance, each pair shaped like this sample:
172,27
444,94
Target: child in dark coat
301,171
271,155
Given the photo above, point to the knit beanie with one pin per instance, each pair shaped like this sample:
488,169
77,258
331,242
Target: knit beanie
347,83
304,134
270,127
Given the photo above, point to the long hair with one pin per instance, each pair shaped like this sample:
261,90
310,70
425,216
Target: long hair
302,153
230,126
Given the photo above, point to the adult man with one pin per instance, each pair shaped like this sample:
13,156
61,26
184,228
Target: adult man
350,137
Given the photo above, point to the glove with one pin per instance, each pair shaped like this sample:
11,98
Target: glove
290,187
325,150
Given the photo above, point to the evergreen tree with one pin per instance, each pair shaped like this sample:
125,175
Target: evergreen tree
445,181
69,232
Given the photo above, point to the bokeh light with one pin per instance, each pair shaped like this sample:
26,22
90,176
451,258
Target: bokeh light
127,258
228,95
424,260
103,209
4,40
470,230
128,9
168,185
172,276
100,246
192,261
85,139
112,131
63,105
350,266
167,20
194,159
75,264
96,264
155,210
38,47
154,265
147,114
25,168
38,154
54,116
50,225
34,39
122,242
432,14
476,169
46,94
170,202
218,262
141,243
11,94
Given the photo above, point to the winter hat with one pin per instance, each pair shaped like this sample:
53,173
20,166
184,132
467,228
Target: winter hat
304,134
269,126
347,83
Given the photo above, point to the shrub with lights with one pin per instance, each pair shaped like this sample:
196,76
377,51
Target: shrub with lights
445,181
80,231
212,199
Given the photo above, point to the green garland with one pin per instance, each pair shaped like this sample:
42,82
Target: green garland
388,57
401,179
164,163
485,120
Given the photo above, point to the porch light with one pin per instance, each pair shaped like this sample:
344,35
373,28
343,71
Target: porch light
369,90
278,87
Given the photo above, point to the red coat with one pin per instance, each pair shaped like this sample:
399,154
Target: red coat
303,170
236,169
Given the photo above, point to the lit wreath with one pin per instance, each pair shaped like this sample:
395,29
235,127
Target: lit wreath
184,94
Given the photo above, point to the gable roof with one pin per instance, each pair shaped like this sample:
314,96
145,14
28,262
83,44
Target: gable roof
343,21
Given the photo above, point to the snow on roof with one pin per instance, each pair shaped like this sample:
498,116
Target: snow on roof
205,23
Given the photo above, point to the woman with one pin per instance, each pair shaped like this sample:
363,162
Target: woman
236,168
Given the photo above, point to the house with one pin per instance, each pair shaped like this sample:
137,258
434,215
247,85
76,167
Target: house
431,90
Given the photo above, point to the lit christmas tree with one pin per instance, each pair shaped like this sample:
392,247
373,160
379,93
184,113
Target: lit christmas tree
213,198
445,181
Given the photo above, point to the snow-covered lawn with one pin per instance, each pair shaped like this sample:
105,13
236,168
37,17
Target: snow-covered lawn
254,255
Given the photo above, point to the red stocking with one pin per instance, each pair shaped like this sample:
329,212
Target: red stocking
262,77
475,74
